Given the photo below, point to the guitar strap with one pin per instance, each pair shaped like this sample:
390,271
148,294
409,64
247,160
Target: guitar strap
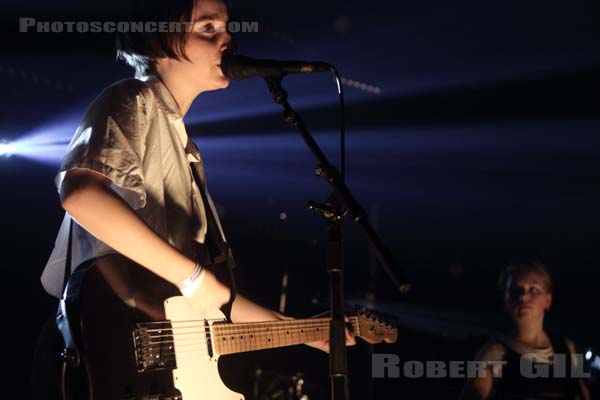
67,274
218,249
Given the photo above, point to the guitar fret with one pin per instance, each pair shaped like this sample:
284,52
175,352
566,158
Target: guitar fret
230,338
272,336
243,340
236,338
280,336
294,333
236,343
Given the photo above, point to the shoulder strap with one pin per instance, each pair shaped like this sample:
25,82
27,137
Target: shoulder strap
67,274
216,243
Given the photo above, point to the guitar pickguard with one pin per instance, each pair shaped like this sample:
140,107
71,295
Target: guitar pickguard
197,374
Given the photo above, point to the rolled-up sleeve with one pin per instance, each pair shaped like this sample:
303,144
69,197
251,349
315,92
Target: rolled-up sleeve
111,141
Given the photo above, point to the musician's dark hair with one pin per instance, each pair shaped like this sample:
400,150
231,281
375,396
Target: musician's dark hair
140,50
522,268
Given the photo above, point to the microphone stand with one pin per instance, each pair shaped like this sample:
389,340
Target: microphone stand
340,203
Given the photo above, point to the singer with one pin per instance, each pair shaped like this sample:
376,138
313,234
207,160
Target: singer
134,191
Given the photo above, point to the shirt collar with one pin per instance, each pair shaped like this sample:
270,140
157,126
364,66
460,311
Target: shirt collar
167,103
166,100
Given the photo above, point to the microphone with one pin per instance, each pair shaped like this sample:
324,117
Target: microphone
238,67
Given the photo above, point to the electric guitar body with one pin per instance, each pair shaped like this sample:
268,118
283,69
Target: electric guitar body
130,335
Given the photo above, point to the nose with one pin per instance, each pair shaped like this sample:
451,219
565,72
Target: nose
228,45
523,298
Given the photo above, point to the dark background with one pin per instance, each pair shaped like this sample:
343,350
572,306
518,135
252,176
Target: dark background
480,147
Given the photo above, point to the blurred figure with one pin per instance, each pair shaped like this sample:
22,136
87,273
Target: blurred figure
527,296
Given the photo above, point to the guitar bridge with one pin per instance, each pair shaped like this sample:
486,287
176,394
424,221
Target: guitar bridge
153,346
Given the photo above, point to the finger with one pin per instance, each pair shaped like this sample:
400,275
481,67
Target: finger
322,345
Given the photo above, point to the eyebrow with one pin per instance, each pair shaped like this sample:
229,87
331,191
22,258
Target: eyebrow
531,284
211,17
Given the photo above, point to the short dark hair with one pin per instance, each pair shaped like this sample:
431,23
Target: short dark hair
140,50
524,268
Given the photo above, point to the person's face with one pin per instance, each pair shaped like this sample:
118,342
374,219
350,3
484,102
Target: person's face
526,298
206,43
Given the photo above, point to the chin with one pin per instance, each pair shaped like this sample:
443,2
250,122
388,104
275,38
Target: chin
521,316
221,83
225,83
527,315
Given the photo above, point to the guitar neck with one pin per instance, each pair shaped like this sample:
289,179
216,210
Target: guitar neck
230,338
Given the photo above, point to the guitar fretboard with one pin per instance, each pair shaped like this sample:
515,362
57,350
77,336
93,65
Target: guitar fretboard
238,338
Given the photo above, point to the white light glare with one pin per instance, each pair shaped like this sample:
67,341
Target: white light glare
588,355
6,149
596,363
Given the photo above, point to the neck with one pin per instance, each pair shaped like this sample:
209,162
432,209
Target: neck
531,333
183,93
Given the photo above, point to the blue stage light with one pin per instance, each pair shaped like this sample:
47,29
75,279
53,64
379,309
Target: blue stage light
6,149
46,144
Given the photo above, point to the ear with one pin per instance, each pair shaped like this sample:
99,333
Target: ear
548,301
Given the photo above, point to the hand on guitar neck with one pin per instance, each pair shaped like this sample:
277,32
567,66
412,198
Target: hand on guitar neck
324,344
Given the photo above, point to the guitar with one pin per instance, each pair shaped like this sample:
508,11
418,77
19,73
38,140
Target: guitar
123,352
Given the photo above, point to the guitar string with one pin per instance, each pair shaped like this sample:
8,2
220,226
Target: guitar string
247,334
228,347
241,332
202,327
243,335
239,343
170,354
238,331
222,328
222,320
292,324
200,323
233,326
236,327
163,354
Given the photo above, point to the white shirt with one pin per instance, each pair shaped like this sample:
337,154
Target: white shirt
133,134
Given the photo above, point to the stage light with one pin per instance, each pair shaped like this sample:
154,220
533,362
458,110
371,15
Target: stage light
35,148
6,149
45,144
588,355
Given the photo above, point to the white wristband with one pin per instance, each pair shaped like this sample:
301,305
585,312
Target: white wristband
190,284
